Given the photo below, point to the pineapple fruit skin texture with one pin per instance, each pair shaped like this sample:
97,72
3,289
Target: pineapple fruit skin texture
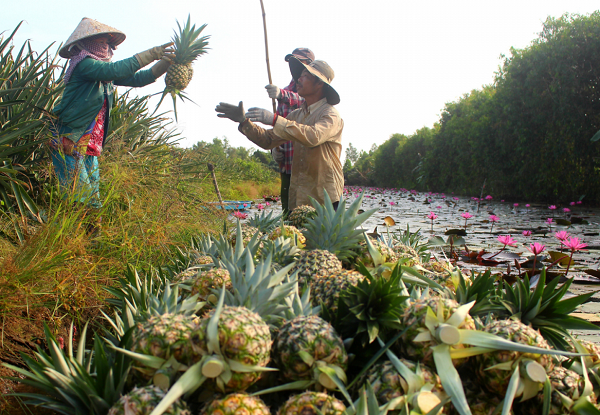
496,381
415,314
316,262
300,215
307,403
178,76
141,401
243,337
310,334
326,289
237,404
165,336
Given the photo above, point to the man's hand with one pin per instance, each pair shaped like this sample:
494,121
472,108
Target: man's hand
278,155
156,53
233,112
273,91
260,115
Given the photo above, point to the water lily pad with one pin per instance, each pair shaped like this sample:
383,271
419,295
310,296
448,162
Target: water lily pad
562,222
460,232
503,256
558,255
593,272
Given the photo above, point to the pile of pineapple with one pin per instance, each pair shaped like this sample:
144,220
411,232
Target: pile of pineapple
314,317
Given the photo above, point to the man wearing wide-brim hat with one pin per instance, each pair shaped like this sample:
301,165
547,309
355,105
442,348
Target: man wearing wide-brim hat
316,127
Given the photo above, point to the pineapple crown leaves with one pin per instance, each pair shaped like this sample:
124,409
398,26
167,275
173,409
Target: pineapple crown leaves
336,231
542,306
282,250
225,253
370,306
300,305
135,289
187,45
265,222
85,382
259,289
414,380
480,288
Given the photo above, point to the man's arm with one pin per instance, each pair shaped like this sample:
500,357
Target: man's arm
328,126
266,139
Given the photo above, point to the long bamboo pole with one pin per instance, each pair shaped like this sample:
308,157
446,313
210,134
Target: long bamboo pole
262,7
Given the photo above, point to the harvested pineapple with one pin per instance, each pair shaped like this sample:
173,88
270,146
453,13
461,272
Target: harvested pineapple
188,47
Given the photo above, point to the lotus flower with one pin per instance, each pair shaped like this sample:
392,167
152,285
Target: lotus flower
536,249
240,215
506,240
561,236
572,203
488,197
526,233
515,204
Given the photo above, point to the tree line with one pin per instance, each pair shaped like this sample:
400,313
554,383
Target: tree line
527,135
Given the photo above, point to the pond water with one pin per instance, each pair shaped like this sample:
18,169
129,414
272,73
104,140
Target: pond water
411,209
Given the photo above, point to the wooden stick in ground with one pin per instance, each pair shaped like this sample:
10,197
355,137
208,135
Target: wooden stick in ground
211,168
262,7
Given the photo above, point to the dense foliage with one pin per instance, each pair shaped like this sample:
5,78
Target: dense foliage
527,135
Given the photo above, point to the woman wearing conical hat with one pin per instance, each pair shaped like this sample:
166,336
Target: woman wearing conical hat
84,109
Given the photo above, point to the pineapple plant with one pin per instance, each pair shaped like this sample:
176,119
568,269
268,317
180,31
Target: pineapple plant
188,47
237,404
308,348
203,282
142,401
300,215
247,233
312,403
480,403
387,253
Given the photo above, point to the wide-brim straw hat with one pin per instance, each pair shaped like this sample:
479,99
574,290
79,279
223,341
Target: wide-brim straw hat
89,28
321,70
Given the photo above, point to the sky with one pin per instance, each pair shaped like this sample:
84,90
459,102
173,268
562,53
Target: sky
397,63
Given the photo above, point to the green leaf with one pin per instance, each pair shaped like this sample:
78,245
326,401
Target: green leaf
511,391
450,378
191,380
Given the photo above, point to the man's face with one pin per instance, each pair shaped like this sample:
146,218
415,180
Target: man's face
307,84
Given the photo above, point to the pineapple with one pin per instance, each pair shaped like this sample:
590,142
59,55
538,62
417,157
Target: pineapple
243,337
309,336
326,289
237,404
289,232
389,384
415,313
142,401
480,403
496,380
387,253
203,282
331,237
164,336
312,403
300,215
247,233
188,47
564,382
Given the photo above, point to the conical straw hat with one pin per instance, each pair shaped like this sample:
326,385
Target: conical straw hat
88,28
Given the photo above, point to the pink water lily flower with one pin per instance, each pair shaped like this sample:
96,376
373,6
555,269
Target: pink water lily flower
566,210
574,244
536,248
432,216
488,197
572,203
561,235
467,215
526,233
552,207
515,204
260,206
494,218
455,198
506,240
240,215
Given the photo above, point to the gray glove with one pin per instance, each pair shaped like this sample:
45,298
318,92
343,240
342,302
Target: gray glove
154,54
160,67
260,115
273,91
278,155
233,112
